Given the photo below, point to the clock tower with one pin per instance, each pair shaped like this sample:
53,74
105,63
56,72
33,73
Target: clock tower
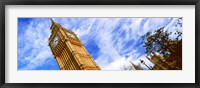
68,50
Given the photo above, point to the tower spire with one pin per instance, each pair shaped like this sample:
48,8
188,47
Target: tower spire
52,20
135,66
68,50
52,23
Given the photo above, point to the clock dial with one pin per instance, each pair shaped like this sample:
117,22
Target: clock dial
55,41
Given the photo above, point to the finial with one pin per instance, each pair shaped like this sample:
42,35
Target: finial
51,20
52,23
130,62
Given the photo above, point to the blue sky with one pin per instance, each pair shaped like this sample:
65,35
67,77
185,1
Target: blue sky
112,42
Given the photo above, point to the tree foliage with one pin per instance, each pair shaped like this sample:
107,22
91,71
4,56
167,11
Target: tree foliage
160,42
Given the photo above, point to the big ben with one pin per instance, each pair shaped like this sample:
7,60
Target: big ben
68,50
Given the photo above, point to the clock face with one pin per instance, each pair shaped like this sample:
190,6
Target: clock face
70,35
55,41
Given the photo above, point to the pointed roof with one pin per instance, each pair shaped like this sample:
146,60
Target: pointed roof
52,20
54,23
135,66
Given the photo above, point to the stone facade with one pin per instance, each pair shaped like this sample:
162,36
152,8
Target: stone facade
159,62
69,51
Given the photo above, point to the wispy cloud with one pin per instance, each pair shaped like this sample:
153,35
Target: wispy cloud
112,42
33,50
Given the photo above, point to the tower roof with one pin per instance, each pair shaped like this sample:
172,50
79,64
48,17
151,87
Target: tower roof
135,66
51,20
54,23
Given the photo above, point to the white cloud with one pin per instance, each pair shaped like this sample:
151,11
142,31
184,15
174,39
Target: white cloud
109,56
35,38
114,50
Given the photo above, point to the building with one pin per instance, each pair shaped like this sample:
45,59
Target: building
68,50
136,67
159,62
